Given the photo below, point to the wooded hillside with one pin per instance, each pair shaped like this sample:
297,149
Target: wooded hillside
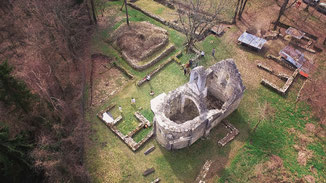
44,58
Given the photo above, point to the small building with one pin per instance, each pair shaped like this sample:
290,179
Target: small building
295,33
293,56
252,41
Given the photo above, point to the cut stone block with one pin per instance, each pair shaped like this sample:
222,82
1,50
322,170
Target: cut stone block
148,171
149,150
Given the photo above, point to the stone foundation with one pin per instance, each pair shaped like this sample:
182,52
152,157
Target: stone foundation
127,139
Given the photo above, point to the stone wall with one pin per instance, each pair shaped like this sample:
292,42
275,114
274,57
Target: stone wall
226,83
135,65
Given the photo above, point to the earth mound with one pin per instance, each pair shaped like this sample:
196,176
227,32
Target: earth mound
139,41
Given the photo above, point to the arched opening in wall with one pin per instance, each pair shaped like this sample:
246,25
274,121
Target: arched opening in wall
189,112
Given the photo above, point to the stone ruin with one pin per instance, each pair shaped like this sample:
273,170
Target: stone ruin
186,114
141,44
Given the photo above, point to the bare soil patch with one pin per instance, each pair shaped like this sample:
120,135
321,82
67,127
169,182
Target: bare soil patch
310,128
314,93
107,80
140,40
271,171
304,156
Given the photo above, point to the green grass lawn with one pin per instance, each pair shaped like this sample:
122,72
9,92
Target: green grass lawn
109,160
273,137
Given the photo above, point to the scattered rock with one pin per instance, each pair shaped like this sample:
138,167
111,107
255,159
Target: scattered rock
313,170
304,156
148,171
304,139
321,132
323,122
149,150
291,130
296,147
275,162
203,173
309,179
310,128
156,180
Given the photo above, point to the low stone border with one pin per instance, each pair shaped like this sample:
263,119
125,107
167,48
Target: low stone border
282,76
264,67
156,180
283,25
203,172
150,63
127,139
165,3
123,70
157,18
171,24
280,61
149,150
148,171
286,86
160,67
230,136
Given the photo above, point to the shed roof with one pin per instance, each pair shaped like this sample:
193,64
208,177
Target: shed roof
293,56
252,40
295,32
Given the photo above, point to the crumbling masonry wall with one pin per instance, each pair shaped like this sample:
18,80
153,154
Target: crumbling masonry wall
222,82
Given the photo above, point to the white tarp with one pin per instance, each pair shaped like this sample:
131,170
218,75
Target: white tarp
107,117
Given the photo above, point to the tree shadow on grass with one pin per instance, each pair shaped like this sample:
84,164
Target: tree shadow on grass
187,162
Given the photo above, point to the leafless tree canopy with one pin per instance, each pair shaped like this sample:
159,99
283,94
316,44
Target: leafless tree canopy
197,16
284,7
241,4
46,42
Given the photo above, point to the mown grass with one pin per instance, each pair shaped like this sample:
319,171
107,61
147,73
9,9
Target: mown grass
272,137
222,50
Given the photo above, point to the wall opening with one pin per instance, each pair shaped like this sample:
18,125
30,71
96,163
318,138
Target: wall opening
213,102
189,112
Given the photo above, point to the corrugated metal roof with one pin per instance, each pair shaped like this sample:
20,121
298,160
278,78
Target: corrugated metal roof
293,56
295,32
252,40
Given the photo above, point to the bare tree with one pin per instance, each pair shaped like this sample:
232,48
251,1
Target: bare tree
285,6
307,7
241,4
197,16
125,4
52,54
93,11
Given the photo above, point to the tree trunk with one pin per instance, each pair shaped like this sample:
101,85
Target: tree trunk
242,9
189,45
125,2
93,10
307,7
89,13
282,10
236,11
